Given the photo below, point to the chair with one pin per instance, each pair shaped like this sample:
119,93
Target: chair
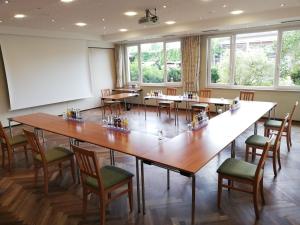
167,104
247,95
9,144
206,93
43,159
109,103
274,125
257,142
101,182
235,170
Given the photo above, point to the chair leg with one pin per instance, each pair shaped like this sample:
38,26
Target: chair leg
253,154
46,180
60,169
289,134
262,190
278,158
247,153
288,144
274,163
130,195
229,183
73,169
102,212
220,181
255,200
84,202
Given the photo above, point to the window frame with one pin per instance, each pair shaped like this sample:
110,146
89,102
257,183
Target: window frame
275,86
140,75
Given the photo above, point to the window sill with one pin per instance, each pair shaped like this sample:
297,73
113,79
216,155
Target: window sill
283,89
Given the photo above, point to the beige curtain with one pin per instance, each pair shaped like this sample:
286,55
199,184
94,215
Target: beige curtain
120,60
190,47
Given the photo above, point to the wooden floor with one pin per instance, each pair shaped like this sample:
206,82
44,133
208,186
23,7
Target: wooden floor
21,202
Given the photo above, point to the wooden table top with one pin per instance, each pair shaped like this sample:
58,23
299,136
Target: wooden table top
187,152
178,98
120,96
133,143
192,150
130,90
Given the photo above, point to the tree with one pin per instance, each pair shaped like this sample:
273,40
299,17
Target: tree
295,75
214,75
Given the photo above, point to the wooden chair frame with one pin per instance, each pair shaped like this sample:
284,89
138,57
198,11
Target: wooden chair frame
108,104
38,149
205,93
287,131
6,146
168,105
275,149
256,183
89,166
247,95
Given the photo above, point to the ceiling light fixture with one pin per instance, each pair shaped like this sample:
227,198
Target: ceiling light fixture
171,22
236,12
66,1
164,6
123,30
1,21
282,5
19,16
6,2
224,6
53,20
130,13
103,19
80,24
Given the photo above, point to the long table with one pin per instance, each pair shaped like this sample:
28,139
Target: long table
186,153
178,99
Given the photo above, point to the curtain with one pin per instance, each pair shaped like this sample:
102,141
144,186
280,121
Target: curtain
190,48
120,60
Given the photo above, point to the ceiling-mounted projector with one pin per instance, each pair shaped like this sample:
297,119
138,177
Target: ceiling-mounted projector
149,18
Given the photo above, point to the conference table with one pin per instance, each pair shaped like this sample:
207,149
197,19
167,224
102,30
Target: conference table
177,99
120,96
186,153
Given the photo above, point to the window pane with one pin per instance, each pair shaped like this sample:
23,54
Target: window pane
220,60
152,60
132,54
255,59
173,61
290,59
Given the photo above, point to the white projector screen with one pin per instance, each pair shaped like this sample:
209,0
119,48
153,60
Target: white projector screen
41,71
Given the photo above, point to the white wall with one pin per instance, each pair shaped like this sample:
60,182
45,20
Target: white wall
101,61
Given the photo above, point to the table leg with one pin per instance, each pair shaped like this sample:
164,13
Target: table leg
193,199
112,157
143,187
145,106
233,149
168,179
10,128
138,184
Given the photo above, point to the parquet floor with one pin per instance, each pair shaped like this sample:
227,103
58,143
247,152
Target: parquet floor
23,203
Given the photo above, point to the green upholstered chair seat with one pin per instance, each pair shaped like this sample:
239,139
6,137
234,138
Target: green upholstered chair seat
273,123
18,139
200,105
55,153
111,176
238,168
111,102
165,102
258,140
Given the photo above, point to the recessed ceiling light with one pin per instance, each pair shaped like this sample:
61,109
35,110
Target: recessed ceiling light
282,5
171,22
164,6
103,19
6,2
236,12
104,28
1,21
19,16
123,30
53,20
130,13
224,6
66,1
80,24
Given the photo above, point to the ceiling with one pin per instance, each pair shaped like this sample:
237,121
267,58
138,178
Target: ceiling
106,17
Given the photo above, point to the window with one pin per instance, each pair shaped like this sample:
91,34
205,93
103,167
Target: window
250,60
152,60
290,59
133,66
154,63
173,61
220,60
